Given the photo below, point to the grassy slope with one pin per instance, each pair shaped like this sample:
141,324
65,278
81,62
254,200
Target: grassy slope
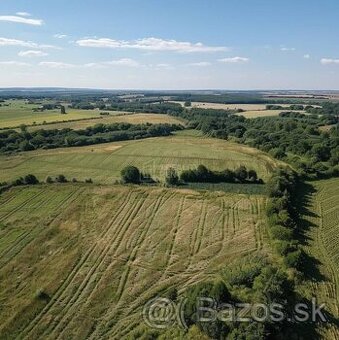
104,162
321,243
100,253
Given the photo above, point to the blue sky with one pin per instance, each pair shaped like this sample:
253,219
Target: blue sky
170,44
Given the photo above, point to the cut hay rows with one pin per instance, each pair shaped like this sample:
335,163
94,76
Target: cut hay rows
324,248
105,251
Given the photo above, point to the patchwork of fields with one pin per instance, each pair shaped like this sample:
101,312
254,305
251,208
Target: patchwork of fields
80,261
321,218
103,162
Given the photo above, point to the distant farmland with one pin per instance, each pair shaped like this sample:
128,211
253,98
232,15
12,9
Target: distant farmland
103,162
80,261
245,107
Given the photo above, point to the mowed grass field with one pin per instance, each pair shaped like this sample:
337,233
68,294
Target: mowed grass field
321,222
114,117
97,254
103,162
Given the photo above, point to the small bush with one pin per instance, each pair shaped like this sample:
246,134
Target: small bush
49,180
61,179
131,174
42,295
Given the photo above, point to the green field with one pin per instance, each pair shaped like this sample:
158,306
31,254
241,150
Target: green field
114,117
19,112
103,162
321,226
97,254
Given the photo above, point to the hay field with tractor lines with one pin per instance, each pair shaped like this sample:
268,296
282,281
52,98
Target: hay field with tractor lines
321,228
81,261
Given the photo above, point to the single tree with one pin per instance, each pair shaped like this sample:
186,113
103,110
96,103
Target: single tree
172,177
131,174
31,179
61,179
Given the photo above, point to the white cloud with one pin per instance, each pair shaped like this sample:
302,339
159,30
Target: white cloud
57,64
32,53
328,61
23,14
15,42
52,47
287,49
21,20
22,43
200,64
60,36
234,60
13,63
124,62
150,44
307,56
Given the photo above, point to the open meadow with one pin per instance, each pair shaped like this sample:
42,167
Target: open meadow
80,261
19,112
103,162
114,117
321,238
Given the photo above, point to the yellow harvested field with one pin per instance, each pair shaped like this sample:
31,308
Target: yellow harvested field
246,107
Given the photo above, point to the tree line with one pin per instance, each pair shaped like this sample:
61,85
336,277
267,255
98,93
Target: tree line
292,137
132,174
13,141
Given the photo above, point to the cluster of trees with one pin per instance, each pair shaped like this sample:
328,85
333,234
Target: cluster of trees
281,213
297,107
11,140
33,180
46,107
204,175
327,108
293,137
26,180
250,280
140,107
131,174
